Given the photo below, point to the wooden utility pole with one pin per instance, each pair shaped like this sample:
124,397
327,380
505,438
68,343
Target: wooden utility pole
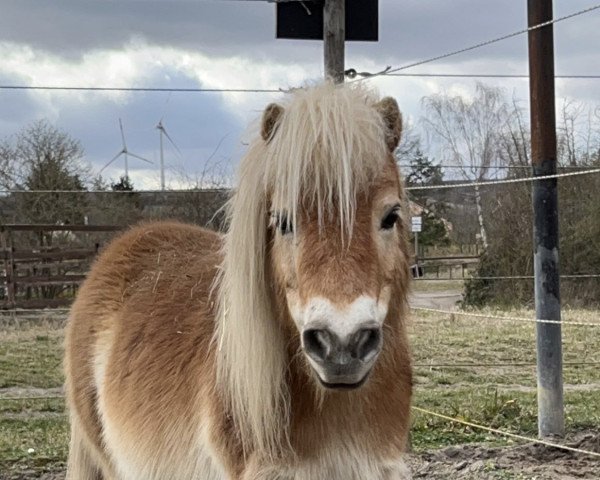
334,36
6,242
545,208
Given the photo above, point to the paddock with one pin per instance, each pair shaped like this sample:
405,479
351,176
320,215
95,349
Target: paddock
477,369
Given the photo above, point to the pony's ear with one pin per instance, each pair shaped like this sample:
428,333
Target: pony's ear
270,121
392,118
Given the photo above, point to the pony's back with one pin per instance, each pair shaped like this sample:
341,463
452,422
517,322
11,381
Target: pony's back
140,329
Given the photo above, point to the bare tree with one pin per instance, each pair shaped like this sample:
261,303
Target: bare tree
41,157
515,141
6,165
469,132
410,143
578,133
208,192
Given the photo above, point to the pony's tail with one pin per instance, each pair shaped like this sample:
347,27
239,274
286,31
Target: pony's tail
80,465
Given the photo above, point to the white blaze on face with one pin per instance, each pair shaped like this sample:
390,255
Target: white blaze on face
342,320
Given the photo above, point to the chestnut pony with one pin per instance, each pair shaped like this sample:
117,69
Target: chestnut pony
275,352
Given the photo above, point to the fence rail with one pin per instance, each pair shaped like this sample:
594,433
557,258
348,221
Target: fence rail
44,275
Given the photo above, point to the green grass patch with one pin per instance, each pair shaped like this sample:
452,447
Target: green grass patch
33,443
495,393
31,406
31,357
499,389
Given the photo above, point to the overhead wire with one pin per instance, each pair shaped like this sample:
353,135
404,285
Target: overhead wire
267,90
444,186
143,89
487,183
511,318
499,167
501,277
390,71
494,365
485,75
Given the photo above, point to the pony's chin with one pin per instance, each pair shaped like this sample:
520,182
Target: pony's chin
343,385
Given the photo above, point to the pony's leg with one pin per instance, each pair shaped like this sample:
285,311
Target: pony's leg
398,471
259,470
84,461
80,464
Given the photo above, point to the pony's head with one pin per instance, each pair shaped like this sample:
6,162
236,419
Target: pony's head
335,231
315,254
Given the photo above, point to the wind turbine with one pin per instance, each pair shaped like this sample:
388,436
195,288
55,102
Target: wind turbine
163,132
125,152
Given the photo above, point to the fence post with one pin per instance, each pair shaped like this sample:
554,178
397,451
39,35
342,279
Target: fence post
9,266
545,207
334,36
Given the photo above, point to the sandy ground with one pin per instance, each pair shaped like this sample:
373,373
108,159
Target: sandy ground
444,300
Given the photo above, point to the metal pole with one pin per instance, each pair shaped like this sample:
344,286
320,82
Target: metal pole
162,162
417,247
334,35
417,272
545,207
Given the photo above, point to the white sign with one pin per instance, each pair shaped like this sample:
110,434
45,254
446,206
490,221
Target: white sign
416,224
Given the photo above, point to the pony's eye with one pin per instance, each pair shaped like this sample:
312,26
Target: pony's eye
282,223
390,220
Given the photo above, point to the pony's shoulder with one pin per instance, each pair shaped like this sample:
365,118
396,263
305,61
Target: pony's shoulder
166,246
170,228
165,235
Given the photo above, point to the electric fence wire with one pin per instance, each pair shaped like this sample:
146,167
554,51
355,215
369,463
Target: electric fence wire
390,71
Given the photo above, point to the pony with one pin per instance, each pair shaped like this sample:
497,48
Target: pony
276,351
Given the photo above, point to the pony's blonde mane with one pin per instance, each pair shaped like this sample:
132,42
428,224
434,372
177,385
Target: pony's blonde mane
327,145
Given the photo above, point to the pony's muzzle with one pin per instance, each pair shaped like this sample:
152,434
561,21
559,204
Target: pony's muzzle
342,362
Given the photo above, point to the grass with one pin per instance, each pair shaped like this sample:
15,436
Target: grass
33,443
31,356
33,432
427,285
502,397
499,396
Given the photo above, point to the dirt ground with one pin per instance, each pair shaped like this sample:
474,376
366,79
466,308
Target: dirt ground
523,462
476,462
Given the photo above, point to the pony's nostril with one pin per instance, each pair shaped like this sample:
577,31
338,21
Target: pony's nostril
317,343
366,343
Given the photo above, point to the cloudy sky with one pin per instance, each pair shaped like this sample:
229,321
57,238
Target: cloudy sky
231,44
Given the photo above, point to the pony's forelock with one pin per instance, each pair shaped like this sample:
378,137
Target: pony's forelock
328,146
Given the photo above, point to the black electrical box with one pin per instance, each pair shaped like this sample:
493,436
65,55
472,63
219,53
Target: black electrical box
303,20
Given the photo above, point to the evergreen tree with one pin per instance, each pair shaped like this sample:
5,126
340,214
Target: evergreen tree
423,172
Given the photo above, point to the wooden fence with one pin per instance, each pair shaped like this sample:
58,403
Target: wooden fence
49,273
447,267
45,274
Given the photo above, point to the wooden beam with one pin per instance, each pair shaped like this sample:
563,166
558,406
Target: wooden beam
59,228
33,256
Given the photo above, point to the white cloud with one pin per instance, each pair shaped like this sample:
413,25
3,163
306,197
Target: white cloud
232,45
